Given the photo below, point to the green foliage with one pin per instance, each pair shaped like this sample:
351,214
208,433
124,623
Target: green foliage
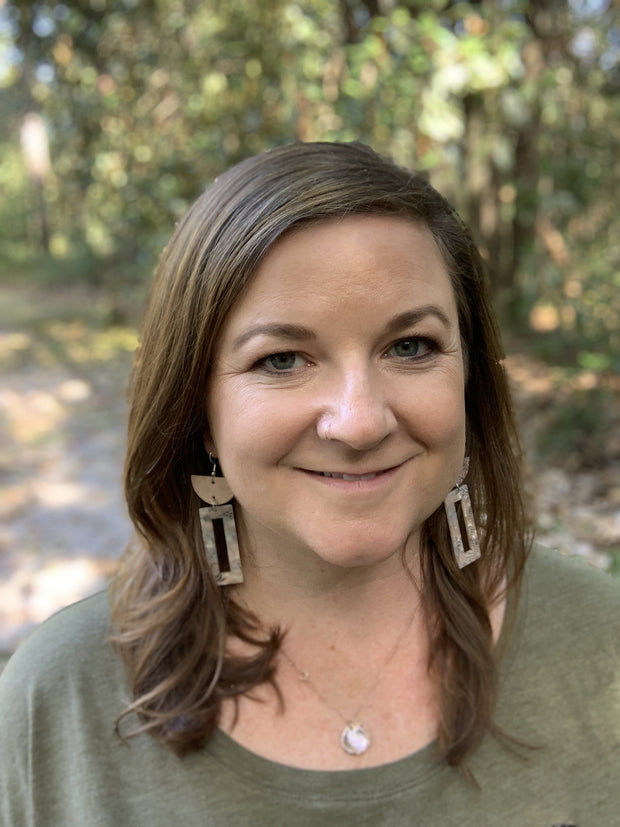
512,107
579,427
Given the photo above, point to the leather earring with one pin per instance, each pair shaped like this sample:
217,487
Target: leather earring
219,531
460,494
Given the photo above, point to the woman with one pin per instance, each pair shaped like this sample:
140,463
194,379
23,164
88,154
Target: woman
319,350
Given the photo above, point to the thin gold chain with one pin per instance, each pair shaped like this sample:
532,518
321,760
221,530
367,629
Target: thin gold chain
305,676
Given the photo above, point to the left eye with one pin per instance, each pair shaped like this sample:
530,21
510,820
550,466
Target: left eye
411,348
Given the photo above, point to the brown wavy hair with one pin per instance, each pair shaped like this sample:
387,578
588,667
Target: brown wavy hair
170,619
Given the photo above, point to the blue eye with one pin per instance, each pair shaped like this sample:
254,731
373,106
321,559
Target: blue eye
411,348
281,361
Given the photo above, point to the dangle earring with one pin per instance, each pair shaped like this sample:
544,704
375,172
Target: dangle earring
460,494
217,524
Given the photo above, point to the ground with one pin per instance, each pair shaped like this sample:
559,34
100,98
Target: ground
62,411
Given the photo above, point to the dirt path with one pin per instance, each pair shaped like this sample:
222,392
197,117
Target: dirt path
62,434
62,426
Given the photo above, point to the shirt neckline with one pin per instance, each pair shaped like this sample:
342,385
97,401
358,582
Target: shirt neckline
368,783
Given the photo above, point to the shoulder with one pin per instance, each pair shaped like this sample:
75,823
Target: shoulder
73,645
567,591
545,561
561,684
80,624
567,630
59,694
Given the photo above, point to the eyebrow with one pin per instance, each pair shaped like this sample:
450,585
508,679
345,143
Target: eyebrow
295,332
412,317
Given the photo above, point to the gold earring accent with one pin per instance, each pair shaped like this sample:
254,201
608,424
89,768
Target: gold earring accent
460,494
218,528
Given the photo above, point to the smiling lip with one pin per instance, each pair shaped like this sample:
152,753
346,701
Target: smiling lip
338,477
352,477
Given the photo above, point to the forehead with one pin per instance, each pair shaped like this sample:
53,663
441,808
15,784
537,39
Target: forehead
356,259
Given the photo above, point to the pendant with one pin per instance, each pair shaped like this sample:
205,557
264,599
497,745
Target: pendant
354,739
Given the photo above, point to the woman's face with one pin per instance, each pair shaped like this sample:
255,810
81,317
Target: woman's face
336,402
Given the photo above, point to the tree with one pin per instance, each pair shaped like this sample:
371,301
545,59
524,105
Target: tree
510,107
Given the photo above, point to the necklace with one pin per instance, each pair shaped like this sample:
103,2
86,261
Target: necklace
354,738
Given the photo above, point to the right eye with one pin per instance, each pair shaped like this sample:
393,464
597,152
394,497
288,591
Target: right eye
282,362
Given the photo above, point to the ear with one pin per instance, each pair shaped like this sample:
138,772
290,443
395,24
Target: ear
207,441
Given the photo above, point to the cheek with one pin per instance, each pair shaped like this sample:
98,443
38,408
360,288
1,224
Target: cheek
252,426
440,410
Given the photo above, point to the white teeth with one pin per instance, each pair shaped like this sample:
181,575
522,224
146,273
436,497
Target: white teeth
349,477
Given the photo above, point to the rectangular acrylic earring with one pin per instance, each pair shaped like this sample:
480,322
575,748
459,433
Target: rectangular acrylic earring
460,494
219,532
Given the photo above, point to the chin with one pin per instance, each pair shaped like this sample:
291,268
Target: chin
349,555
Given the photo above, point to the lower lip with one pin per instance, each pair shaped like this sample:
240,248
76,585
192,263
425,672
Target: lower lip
361,485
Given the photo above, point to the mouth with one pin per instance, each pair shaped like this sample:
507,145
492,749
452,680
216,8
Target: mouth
368,477
353,477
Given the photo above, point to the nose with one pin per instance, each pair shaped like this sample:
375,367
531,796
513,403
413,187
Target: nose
357,412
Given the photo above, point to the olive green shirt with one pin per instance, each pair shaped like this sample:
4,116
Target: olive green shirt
62,766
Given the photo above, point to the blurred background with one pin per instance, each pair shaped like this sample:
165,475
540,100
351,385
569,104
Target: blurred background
114,116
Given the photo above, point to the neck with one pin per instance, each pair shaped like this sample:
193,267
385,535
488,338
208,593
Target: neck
288,592
350,620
